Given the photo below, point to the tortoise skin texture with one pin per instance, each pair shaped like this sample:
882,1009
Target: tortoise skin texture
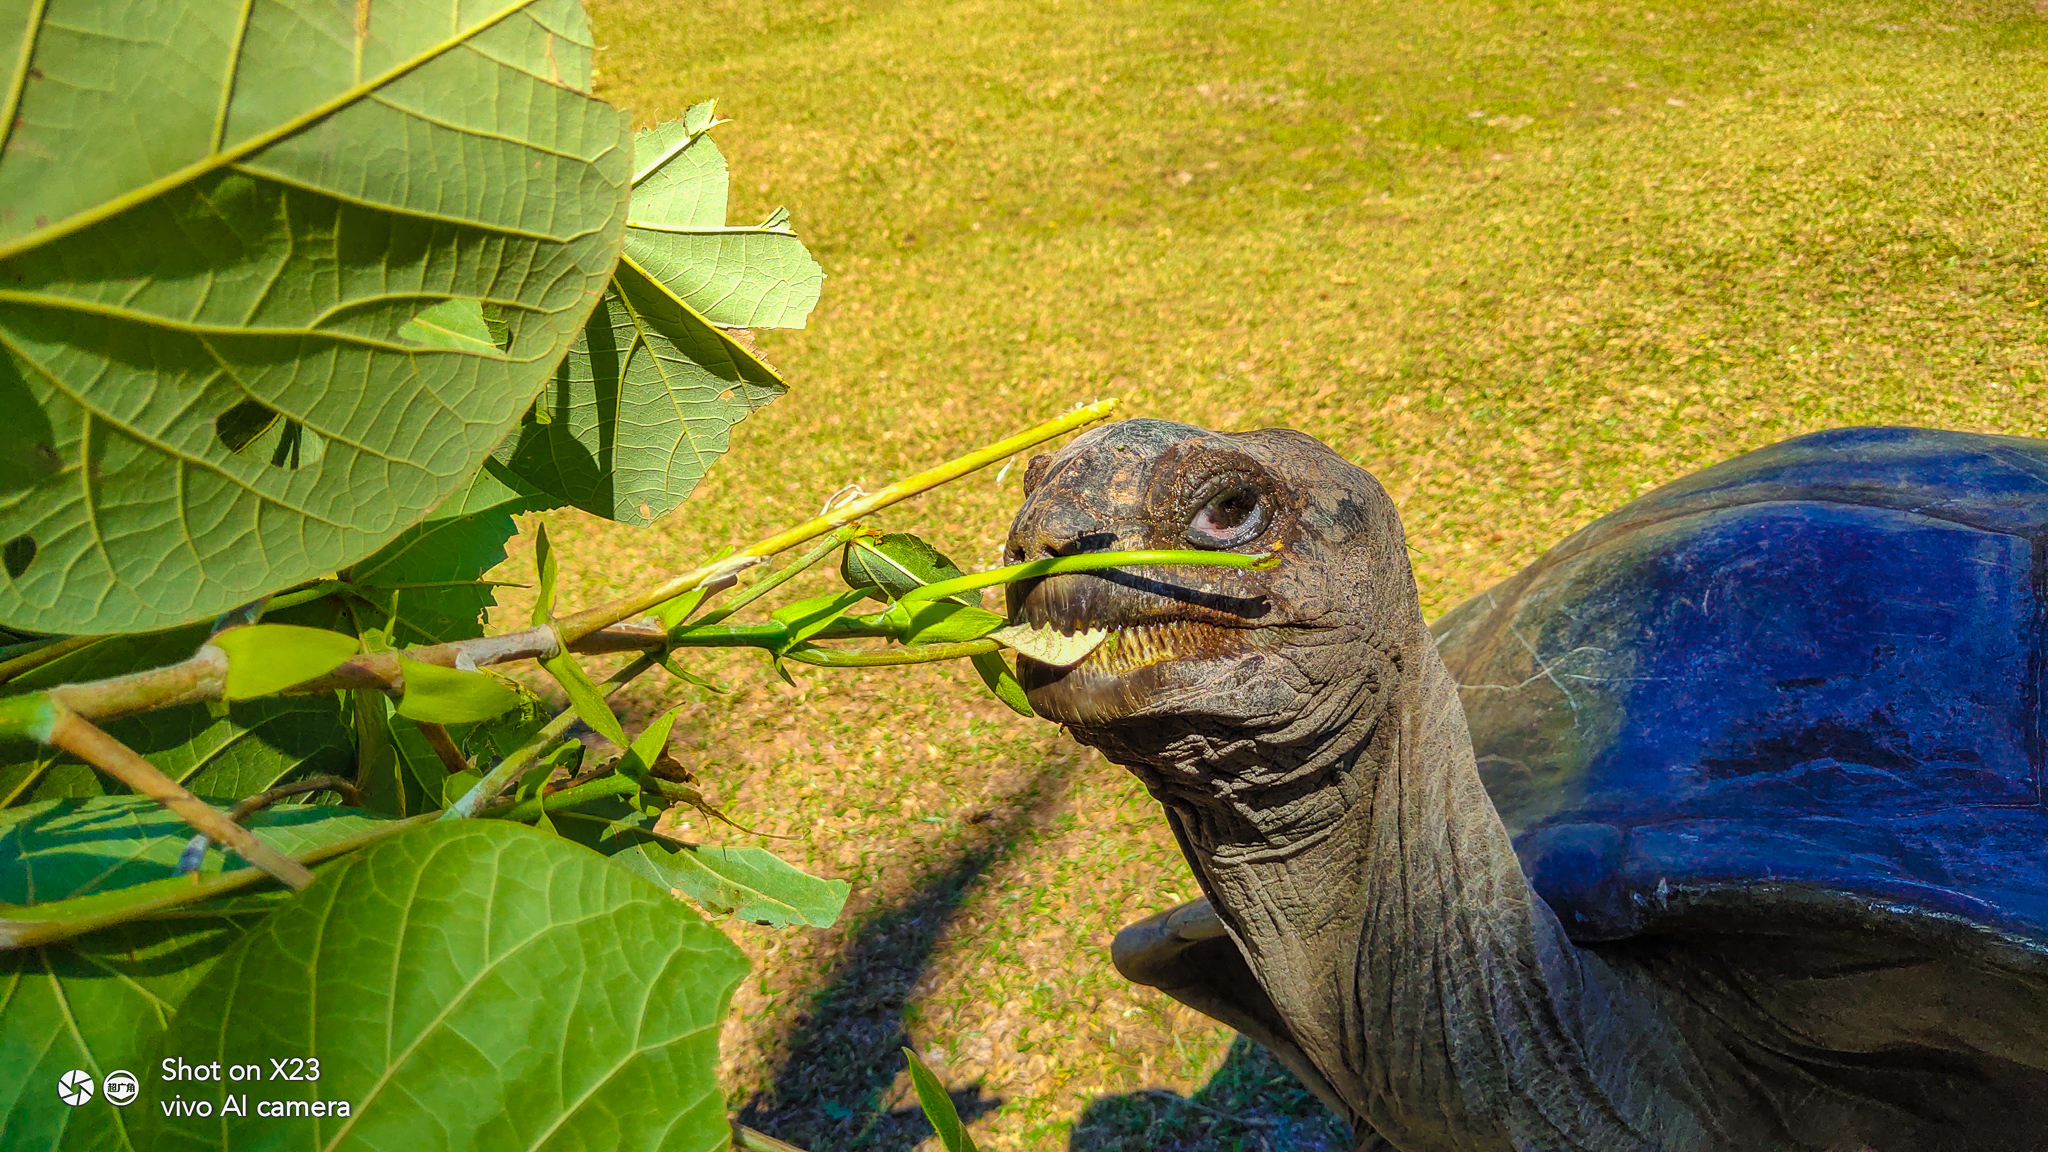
1743,848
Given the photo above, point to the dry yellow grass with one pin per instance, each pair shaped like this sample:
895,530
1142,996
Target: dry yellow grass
1523,262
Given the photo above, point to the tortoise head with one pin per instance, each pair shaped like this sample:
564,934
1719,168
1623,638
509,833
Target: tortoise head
1215,679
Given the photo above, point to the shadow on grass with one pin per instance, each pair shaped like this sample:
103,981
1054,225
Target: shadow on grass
1252,1104
847,1050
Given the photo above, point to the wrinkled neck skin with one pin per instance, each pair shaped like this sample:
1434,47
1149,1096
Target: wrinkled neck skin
1355,857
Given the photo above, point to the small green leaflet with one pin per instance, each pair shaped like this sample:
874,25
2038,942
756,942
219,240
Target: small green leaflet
438,695
688,677
544,566
944,622
674,612
938,1107
996,673
807,618
647,747
268,658
746,883
891,565
584,696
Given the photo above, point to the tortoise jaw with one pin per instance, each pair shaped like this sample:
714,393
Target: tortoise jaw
1156,647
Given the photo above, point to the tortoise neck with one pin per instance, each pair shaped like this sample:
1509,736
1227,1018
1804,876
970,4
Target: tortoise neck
1417,967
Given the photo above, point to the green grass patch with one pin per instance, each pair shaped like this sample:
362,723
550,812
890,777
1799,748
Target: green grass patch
1524,262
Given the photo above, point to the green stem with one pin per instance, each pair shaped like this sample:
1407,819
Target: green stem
31,715
762,587
1087,562
521,758
528,809
908,654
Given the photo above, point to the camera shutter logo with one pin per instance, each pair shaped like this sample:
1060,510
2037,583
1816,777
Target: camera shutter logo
121,1088
75,1087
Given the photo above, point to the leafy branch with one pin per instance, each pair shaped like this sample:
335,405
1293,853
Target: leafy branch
443,683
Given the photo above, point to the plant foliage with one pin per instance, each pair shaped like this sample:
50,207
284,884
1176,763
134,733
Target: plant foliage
300,305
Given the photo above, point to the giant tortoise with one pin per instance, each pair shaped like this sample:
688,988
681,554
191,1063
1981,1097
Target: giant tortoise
1720,827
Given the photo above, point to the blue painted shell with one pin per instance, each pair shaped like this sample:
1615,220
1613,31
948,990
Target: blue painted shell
1806,681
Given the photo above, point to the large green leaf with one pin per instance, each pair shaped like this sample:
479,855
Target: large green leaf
252,745
644,402
430,570
274,281
98,1004
62,849
732,276
469,984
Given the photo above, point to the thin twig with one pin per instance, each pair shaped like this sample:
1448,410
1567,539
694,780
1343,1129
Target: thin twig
444,747
591,619
22,926
251,805
195,852
55,650
78,736
769,584
884,657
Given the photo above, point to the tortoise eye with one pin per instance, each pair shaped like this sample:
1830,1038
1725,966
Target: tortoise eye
1231,516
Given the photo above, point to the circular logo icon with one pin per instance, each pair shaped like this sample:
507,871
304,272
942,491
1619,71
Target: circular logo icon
120,1087
74,1088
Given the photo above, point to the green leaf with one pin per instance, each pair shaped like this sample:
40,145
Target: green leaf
890,565
97,1003
438,695
544,571
806,618
467,984
242,284
938,1107
63,849
944,622
647,747
268,658
747,883
646,399
453,547
736,277
996,673
253,745
640,409
457,785
584,697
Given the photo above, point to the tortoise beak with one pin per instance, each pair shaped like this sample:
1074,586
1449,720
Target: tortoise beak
1158,631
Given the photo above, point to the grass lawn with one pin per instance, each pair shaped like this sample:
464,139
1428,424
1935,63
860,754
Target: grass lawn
1522,261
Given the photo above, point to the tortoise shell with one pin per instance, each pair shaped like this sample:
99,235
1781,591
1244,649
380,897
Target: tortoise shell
1806,682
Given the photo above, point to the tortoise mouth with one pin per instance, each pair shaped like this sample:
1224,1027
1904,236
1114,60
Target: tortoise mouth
1157,645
